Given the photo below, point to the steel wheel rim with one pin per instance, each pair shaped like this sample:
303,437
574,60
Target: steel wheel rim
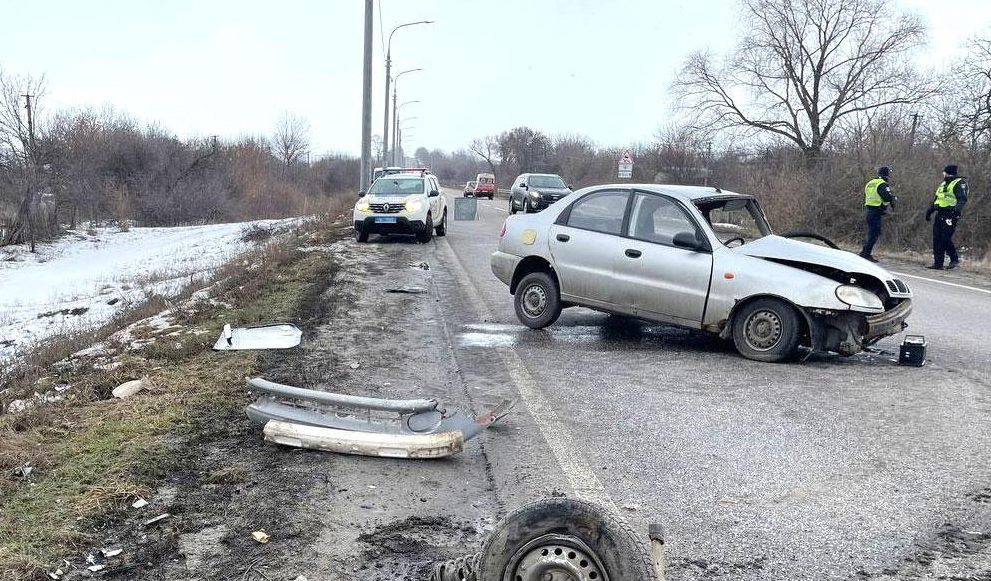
534,301
763,330
555,558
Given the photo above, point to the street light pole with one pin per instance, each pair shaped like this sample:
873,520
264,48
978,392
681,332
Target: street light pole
388,68
395,87
366,101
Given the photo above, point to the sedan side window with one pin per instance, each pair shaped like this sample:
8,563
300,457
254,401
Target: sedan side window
656,219
601,212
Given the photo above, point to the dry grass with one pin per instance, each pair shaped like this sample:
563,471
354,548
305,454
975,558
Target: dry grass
93,454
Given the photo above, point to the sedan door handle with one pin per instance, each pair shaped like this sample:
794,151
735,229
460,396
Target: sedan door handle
633,253
563,237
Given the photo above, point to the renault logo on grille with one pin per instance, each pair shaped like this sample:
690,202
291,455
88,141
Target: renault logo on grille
385,207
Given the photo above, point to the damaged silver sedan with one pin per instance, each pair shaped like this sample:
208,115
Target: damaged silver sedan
701,258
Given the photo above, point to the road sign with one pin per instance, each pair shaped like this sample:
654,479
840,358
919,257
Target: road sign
626,165
465,208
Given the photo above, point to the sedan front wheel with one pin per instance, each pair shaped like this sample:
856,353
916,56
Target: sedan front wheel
767,330
537,300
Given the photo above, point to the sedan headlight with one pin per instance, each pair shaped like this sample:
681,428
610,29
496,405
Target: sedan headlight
859,297
362,206
413,206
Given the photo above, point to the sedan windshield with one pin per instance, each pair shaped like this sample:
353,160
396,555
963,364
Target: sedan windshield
396,186
730,218
547,182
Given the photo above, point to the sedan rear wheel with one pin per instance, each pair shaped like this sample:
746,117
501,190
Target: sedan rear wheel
537,300
767,330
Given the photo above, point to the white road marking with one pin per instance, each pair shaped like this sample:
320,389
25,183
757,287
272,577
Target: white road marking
496,208
963,286
581,476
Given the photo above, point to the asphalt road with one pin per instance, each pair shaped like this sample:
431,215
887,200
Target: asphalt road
836,468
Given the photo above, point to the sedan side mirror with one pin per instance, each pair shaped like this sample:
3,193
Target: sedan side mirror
570,187
433,194
689,240
361,194
524,186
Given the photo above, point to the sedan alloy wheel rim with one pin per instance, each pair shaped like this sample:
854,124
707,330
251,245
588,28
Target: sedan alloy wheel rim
763,330
534,301
555,558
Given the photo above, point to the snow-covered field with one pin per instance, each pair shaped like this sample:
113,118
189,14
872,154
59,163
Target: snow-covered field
82,281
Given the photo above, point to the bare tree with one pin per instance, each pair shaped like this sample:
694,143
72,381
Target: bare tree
291,140
804,66
487,148
18,151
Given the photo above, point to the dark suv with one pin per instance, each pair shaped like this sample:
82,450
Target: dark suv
532,192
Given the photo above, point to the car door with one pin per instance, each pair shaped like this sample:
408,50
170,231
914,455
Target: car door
586,243
435,202
515,193
664,281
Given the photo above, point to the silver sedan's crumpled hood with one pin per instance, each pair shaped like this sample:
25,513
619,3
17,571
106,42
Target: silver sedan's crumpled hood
780,248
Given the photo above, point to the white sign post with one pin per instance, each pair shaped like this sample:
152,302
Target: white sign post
626,165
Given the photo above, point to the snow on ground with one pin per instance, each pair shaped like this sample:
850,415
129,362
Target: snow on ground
81,281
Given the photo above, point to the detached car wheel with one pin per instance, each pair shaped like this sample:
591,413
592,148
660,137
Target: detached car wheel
564,539
767,330
537,300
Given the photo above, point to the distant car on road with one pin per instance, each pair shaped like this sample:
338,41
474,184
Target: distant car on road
485,186
532,192
470,189
401,203
700,258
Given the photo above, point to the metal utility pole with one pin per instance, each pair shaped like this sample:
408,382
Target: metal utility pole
32,176
395,111
915,123
366,102
388,68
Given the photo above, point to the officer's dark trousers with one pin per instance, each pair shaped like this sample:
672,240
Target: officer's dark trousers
943,238
873,217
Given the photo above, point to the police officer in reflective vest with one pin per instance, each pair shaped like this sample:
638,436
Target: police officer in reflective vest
877,199
948,204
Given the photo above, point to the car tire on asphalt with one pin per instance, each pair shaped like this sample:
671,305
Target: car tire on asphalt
442,229
537,300
526,205
512,207
428,230
566,537
360,236
767,329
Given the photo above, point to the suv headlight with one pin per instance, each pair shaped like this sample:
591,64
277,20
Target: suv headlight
362,206
534,193
859,297
413,206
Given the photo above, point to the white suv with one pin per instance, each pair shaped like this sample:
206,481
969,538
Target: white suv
405,203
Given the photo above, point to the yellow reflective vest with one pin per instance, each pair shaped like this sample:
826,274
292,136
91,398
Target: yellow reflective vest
871,196
945,197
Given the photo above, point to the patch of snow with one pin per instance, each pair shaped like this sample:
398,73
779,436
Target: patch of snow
81,281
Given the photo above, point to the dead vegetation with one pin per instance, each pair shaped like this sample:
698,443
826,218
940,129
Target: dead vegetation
88,455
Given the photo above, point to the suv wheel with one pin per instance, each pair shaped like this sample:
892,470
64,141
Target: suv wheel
512,207
767,330
360,236
428,230
537,300
442,229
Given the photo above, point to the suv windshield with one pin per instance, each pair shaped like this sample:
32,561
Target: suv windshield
396,186
547,182
734,218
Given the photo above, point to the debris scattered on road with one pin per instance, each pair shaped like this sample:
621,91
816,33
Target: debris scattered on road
158,518
139,503
420,265
630,507
355,365
129,388
407,290
95,568
108,553
419,428
273,336
261,537
913,351
23,471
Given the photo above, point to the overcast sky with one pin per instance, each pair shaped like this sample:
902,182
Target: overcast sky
600,68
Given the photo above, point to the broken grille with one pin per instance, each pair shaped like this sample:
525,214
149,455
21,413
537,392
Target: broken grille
897,286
